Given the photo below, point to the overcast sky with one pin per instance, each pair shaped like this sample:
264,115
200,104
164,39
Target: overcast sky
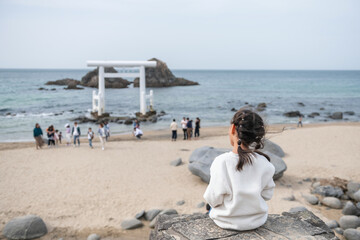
186,34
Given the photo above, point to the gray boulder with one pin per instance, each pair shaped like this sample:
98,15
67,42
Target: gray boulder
166,212
181,202
140,214
339,230
337,115
176,162
331,202
357,196
93,237
328,191
297,209
161,76
201,159
26,227
292,114
200,205
273,148
313,200
332,224
131,224
279,164
352,234
350,209
299,225
151,214
351,113
349,221
352,187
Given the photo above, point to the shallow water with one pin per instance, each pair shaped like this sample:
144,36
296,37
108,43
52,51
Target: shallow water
212,100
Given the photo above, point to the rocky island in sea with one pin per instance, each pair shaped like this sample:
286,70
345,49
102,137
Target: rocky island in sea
160,76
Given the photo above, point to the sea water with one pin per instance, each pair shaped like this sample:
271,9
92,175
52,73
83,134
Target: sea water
22,104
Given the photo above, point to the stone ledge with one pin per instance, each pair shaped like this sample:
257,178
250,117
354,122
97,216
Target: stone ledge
298,225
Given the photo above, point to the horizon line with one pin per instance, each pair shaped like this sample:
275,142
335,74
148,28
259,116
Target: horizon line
192,69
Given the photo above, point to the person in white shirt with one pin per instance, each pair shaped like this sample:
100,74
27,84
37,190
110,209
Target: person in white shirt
102,135
138,133
241,180
173,127
184,127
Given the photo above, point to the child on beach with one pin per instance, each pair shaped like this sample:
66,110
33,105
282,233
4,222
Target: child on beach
60,136
138,133
56,137
241,180
90,137
102,136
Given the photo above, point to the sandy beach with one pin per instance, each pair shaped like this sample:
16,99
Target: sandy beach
78,191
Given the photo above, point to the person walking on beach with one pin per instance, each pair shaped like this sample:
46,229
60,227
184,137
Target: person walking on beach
51,136
68,134
76,133
184,128
138,133
197,127
38,136
107,130
102,136
241,181
173,127
90,137
300,121
189,128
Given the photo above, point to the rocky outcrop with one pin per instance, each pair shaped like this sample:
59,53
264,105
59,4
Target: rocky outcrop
292,114
161,76
201,159
91,79
64,82
297,225
73,86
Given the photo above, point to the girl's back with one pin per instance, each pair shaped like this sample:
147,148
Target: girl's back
241,180
238,198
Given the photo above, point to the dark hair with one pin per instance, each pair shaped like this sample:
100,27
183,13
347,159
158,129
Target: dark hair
187,118
36,124
102,125
174,120
251,131
75,122
89,128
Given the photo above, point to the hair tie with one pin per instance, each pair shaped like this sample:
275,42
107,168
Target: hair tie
239,142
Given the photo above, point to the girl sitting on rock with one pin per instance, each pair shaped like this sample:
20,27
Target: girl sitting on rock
241,180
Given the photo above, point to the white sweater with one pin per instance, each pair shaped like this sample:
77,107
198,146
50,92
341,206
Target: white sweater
237,198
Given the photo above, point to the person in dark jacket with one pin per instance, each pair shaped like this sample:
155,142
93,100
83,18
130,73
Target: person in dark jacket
197,127
38,136
189,129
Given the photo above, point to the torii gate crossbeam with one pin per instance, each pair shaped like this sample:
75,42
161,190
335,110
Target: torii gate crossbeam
99,98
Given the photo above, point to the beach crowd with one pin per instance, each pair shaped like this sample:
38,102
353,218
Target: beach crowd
72,134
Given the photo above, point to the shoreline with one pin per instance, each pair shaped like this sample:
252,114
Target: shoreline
165,134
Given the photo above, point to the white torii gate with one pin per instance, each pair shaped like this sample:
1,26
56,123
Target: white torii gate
99,98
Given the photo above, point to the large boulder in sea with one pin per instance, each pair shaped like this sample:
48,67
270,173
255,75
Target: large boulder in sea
64,82
296,225
201,159
161,76
26,227
91,79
